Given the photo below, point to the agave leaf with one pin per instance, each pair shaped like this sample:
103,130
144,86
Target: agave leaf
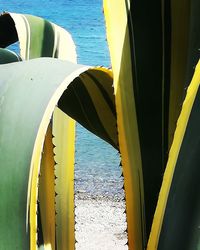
153,61
135,54
37,37
46,194
177,213
40,38
183,42
7,56
95,104
30,103
127,124
64,182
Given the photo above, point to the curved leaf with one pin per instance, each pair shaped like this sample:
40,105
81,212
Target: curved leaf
40,38
7,56
95,104
37,37
30,103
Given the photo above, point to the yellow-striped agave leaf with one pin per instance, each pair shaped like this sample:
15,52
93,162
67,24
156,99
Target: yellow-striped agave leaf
134,32
93,95
46,221
95,104
182,42
176,220
34,162
37,37
40,38
63,136
154,47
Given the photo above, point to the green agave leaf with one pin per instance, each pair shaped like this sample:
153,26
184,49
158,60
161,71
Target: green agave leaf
90,101
153,61
136,57
95,104
7,56
27,105
95,109
40,38
176,220
37,37
183,44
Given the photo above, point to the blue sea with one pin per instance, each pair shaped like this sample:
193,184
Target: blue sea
97,170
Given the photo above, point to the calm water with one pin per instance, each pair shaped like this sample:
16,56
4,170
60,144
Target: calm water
97,164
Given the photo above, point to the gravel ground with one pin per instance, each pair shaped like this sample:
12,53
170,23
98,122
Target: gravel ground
100,223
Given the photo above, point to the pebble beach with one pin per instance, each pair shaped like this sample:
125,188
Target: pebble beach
100,224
